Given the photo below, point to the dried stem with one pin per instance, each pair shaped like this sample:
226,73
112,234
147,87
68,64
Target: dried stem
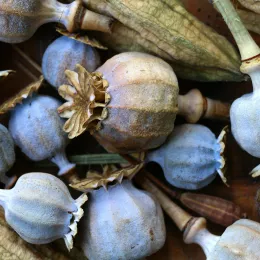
194,228
90,159
247,46
178,215
78,17
218,210
96,22
194,106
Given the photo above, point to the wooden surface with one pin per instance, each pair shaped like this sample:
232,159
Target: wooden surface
243,188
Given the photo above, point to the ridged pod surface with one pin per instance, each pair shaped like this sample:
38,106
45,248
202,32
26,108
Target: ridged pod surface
129,104
7,153
144,95
190,158
166,29
19,19
239,241
40,209
67,53
121,222
37,129
245,125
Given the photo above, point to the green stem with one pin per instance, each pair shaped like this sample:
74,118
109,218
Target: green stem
90,159
247,46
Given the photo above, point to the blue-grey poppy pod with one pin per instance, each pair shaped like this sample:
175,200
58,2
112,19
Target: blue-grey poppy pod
63,54
191,157
37,129
40,209
126,221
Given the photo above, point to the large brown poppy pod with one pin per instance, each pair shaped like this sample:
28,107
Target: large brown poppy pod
136,101
130,103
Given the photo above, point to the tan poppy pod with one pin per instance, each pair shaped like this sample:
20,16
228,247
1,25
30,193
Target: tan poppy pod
137,102
130,103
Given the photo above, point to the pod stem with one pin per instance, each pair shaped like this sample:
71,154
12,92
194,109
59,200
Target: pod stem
217,210
178,215
96,22
194,106
3,197
76,17
247,46
194,228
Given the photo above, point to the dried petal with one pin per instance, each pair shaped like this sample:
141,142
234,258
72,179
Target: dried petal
81,37
95,180
222,140
88,91
23,94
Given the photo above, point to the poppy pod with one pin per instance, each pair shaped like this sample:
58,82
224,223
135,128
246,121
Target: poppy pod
130,104
191,157
67,52
119,211
37,218
37,129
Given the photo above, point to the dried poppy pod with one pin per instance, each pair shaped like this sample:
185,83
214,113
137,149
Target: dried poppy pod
241,240
67,53
191,157
40,209
20,19
126,221
130,103
37,129
7,156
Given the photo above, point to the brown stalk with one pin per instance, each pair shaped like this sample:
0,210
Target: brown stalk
194,106
194,228
217,210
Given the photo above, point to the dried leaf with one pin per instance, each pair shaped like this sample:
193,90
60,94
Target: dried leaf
250,20
166,29
82,37
86,93
95,180
253,5
23,94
